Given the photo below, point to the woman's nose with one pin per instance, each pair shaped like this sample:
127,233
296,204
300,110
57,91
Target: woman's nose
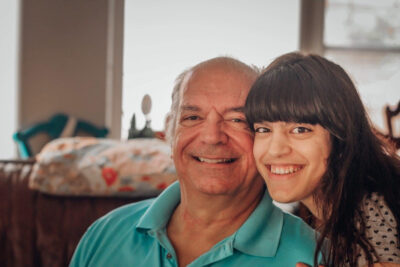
279,145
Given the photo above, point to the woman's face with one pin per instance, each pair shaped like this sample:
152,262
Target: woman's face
292,158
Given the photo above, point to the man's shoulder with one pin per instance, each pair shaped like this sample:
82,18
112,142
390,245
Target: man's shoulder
296,228
108,234
127,213
298,237
118,220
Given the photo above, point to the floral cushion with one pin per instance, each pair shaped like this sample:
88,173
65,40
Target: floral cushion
103,167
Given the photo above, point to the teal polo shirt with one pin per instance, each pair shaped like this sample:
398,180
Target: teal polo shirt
136,235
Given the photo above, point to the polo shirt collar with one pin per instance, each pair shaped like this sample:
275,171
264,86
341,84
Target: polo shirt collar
258,236
160,211
261,232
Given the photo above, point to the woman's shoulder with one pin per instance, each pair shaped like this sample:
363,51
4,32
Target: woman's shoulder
376,212
380,227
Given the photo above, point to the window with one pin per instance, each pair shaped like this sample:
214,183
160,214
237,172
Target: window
363,36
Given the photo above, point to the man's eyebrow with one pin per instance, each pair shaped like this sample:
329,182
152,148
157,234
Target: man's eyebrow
236,109
196,108
190,108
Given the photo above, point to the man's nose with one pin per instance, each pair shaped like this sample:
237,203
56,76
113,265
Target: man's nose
213,132
279,145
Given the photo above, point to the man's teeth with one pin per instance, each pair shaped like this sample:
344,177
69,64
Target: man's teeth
284,170
206,160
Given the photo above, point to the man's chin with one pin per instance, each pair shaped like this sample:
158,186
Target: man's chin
216,188
211,186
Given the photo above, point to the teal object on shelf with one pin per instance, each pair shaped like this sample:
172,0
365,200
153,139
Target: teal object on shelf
55,128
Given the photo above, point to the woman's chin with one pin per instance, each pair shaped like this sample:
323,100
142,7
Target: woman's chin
281,196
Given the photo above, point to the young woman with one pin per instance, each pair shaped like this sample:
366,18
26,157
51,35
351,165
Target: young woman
314,144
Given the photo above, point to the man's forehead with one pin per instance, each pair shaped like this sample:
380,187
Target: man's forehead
194,107
216,84
223,97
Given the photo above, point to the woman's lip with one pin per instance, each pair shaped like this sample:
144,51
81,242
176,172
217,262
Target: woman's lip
283,170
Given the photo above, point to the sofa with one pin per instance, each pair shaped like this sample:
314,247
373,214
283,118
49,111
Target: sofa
37,229
41,224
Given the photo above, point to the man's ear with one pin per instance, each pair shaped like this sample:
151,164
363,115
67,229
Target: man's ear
167,120
168,127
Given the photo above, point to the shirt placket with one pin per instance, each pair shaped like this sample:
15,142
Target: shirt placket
167,258
167,253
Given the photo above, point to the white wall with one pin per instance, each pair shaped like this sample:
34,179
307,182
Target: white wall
9,30
163,38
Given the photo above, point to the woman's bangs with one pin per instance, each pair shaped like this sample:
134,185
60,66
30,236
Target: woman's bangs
282,97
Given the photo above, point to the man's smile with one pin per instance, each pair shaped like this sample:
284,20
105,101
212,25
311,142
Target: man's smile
214,160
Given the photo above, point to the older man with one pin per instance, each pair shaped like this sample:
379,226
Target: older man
219,214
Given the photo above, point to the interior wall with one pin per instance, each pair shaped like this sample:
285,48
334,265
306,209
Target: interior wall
312,26
9,30
64,60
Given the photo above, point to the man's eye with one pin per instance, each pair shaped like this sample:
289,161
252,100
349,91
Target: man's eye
300,130
262,130
238,120
191,118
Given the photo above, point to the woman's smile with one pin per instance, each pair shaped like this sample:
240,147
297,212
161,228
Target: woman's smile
292,158
283,169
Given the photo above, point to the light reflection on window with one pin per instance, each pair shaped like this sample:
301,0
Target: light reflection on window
363,36
362,23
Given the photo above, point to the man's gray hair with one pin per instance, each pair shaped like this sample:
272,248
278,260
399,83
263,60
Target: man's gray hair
182,79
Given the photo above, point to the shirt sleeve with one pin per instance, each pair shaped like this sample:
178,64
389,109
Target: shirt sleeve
381,230
84,249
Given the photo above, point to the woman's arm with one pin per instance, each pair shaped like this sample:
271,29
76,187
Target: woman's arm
382,264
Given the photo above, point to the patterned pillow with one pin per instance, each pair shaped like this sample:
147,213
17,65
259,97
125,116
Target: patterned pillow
86,166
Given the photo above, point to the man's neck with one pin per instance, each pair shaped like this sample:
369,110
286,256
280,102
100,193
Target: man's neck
196,226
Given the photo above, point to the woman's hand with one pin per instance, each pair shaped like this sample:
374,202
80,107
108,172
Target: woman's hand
300,264
386,264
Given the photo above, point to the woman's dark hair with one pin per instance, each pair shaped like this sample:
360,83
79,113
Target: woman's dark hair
312,89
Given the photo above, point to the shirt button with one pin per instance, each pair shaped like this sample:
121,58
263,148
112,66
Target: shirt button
169,256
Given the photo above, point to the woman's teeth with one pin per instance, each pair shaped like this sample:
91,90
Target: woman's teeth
284,170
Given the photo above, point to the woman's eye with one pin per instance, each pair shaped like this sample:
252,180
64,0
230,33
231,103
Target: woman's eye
262,130
300,130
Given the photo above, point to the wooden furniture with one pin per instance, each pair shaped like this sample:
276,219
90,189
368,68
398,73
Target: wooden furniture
60,125
43,230
391,114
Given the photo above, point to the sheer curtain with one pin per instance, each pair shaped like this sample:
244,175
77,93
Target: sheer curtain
9,25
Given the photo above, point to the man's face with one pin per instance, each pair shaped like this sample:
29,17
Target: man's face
212,148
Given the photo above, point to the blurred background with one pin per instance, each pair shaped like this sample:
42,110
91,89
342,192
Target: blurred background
95,60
